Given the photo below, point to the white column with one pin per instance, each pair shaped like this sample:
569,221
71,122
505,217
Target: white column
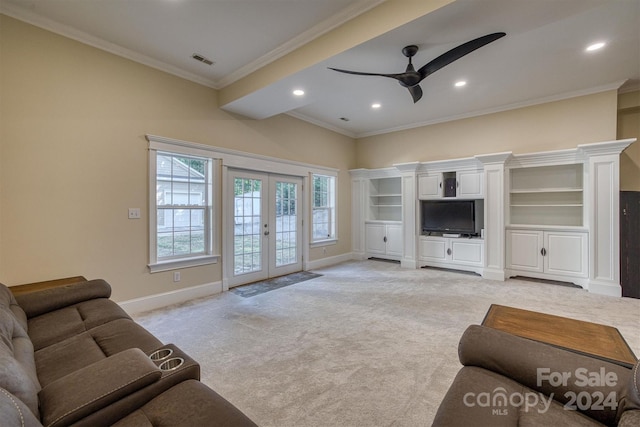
494,214
602,200
358,209
409,178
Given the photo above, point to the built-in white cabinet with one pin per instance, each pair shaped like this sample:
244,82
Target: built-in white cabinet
430,186
550,215
383,240
558,255
547,202
469,184
448,252
459,184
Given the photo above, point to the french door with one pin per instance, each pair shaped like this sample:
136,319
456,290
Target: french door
266,218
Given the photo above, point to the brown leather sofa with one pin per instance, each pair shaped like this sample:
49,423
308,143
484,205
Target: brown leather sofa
71,356
511,381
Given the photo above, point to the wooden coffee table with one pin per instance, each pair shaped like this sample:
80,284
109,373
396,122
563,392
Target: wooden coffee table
600,341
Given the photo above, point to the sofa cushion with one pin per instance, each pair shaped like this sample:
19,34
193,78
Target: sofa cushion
14,412
55,326
60,359
482,397
188,404
17,366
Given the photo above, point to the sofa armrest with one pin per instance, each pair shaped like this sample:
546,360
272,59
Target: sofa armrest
46,300
550,370
96,386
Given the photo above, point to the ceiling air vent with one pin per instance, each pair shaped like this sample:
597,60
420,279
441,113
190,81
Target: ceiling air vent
201,58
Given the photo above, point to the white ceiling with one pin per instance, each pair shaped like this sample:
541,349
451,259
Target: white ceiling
542,58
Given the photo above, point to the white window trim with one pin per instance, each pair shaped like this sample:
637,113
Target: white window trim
334,239
184,262
229,158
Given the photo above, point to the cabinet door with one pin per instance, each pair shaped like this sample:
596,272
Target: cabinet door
566,254
470,184
433,248
466,251
394,239
523,250
374,238
430,186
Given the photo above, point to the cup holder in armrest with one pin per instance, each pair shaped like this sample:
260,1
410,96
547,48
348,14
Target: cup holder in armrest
171,364
175,363
161,354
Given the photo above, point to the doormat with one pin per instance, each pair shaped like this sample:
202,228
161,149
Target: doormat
257,288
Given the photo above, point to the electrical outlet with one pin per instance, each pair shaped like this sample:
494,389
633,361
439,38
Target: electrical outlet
176,276
134,213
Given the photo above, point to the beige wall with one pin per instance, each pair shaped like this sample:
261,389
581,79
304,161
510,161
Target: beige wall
551,126
73,159
629,127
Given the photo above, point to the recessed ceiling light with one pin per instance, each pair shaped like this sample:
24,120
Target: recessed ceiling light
460,83
298,92
595,46
376,105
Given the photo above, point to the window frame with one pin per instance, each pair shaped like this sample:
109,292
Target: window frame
211,247
333,210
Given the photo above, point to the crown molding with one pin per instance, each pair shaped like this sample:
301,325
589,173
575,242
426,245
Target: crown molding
507,107
356,9
320,123
33,18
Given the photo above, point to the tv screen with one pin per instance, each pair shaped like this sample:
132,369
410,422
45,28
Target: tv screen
448,216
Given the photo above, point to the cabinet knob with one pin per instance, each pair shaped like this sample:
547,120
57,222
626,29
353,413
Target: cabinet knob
448,251
384,239
543,252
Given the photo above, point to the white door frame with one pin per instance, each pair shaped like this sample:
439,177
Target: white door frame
268,167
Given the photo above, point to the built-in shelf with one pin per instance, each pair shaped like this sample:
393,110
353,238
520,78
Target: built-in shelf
547,195
385,199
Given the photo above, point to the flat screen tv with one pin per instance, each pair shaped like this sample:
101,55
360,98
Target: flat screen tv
448,216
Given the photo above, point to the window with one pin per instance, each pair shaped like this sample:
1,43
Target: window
182,212
324,208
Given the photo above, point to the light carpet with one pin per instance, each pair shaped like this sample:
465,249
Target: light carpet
366,344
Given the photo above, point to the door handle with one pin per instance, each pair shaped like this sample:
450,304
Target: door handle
266,233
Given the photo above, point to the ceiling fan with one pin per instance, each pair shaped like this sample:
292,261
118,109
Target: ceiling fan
411,78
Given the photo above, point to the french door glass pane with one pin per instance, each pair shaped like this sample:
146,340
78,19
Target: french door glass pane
247,225
286,223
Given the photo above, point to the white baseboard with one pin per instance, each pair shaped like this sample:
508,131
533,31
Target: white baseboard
494,274
152,302
604,288
329,261
409,263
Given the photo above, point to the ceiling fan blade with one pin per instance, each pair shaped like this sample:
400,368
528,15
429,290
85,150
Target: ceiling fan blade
398,76
416,93
457,53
